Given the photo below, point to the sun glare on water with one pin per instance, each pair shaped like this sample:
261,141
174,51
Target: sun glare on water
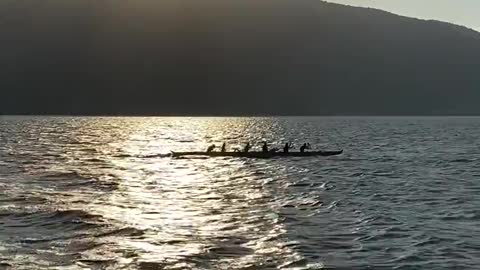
208,210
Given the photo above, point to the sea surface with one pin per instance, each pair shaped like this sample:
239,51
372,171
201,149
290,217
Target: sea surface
100,193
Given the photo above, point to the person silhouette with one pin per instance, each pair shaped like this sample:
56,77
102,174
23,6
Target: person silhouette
224,146
210,148
265,147
247,147
287,147
304,146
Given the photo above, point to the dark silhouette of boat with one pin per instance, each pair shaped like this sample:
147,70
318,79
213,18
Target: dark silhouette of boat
258,154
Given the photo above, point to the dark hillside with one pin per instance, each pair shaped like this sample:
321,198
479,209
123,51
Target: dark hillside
231,57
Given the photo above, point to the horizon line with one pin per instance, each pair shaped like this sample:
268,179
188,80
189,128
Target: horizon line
240,116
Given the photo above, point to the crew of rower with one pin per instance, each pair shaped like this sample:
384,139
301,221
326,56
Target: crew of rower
265,149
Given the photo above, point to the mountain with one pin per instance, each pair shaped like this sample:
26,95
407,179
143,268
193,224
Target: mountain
231,57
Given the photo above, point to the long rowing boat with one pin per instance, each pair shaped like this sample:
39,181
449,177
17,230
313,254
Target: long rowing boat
258,154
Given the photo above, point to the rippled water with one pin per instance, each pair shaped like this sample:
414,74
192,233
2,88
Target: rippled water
97,193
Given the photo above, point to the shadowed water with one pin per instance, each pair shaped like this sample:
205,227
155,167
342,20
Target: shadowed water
98,193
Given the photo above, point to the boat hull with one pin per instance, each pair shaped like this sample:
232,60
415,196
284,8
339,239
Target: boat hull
258,154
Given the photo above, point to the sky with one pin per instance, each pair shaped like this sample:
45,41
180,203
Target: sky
462,12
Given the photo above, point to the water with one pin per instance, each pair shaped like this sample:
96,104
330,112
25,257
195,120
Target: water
96,193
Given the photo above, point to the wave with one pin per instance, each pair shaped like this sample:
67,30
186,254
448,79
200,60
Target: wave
128,231
462,160
143,156
73,214
64,175
74,220
466,216
73,179
37,229
95,160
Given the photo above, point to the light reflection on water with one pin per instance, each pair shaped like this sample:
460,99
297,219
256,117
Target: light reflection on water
95,193
212,210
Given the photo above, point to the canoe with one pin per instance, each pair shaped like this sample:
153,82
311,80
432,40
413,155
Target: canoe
258,154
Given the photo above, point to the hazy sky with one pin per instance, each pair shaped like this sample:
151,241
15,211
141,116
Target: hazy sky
463,12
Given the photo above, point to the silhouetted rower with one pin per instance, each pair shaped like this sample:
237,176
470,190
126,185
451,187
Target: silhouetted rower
247,147
265,147
287,147
224,146
304,146
210,148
